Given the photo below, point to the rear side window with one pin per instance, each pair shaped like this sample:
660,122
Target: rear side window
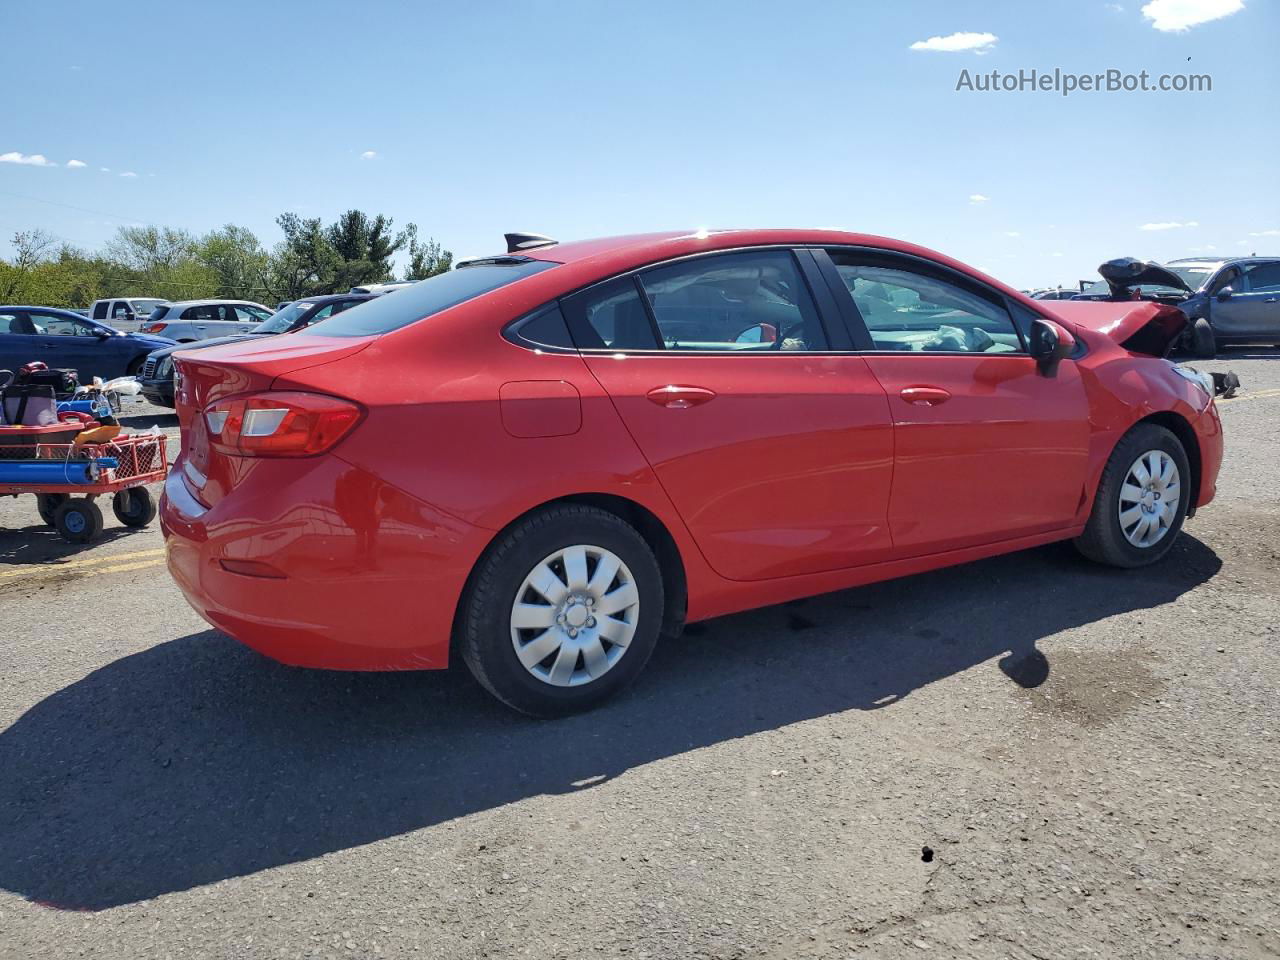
425,298
755,301
1264,278
100,310
611,316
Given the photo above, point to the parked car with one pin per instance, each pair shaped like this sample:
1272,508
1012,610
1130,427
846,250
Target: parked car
156,376
62,338
193,320
1054,293
383,288
124,313
543,459
1226,301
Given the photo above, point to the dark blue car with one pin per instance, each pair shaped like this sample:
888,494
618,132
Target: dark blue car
62,338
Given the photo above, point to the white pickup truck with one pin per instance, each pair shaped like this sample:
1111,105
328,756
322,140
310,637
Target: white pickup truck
124,313
193,320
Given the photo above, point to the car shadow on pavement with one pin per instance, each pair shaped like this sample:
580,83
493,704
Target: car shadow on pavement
197,760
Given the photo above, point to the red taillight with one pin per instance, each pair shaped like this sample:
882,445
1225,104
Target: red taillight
152,327
283,424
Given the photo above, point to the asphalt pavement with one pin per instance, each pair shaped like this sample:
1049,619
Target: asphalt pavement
1028,757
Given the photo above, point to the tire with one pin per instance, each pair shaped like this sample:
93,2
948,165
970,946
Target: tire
134,507
79,520
47,504
135,368
1109,537
548,542
1203,342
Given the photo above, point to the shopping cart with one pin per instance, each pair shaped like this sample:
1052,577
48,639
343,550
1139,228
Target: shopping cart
67,478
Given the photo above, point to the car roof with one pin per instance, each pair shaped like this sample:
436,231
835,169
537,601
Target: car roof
69,313
1217,261
200,303
607,255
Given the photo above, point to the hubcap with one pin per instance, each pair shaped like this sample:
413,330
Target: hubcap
1149,498
574,615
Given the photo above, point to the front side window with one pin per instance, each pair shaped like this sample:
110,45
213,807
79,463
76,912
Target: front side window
251,314
120,311
910,311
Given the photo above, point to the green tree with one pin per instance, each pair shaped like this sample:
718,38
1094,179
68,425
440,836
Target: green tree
236,259
426,258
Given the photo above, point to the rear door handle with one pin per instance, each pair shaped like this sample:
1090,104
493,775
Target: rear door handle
677,397
925,396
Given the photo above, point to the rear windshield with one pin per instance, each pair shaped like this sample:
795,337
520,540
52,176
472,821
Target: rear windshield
424,298
158,313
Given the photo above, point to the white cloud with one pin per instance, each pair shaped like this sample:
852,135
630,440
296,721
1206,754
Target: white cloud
128,173
76,164
1056,253
1012,233
27,159
1168,225
1242,243
978,198
1175,15
958,43
105,169
1115,8
369,155
1265,233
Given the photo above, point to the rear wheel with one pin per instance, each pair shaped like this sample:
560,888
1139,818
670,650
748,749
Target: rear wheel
1141,500
134,507
47,504
562,612
78,519
1203,342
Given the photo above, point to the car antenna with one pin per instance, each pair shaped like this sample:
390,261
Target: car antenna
527,241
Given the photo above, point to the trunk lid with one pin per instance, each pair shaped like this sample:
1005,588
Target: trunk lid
1140,326
247,366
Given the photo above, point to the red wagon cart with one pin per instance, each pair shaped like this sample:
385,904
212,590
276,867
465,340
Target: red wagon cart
67,479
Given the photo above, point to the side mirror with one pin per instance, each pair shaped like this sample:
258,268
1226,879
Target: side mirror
1224,294
101,334
1050,345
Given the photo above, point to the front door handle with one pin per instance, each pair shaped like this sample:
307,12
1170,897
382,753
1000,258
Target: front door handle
677,397
925,396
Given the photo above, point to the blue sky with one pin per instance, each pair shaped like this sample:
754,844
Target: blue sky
590,118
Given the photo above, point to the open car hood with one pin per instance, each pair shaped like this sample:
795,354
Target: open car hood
1125,273
1140,326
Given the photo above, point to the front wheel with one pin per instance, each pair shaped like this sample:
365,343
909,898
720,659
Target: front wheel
563,611
78,519
1141,501
1203,342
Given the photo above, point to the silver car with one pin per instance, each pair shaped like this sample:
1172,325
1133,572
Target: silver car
193,320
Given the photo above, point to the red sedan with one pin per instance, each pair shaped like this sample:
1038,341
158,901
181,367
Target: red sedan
543,460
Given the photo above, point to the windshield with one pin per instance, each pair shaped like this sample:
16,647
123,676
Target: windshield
282,320
143,308
1194,276
424,298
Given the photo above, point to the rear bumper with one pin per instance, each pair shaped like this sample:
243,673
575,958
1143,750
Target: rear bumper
365,577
